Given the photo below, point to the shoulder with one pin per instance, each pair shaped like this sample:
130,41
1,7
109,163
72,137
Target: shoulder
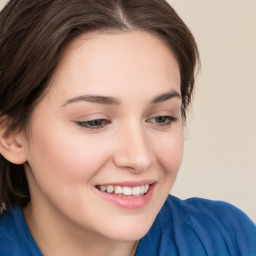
200,227
218,210
215,223
15,238
219,213
8,235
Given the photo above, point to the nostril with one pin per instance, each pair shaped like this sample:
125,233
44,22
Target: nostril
134,162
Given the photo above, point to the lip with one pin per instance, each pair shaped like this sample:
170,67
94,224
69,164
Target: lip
129,202
130,183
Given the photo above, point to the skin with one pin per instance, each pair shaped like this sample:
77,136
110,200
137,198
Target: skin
64,161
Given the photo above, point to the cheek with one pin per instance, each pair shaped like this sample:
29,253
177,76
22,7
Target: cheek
68,160
170,153
65,157
63,170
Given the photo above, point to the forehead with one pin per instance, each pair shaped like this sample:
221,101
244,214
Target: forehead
105,62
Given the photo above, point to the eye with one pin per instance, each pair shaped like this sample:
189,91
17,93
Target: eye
162,120
93,124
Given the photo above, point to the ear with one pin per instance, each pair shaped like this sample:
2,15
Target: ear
12,145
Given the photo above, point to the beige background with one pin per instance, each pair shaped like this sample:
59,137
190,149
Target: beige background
220,147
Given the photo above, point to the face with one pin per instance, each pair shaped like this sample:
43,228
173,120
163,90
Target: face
111,120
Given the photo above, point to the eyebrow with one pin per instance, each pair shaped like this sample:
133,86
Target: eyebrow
106,100
166,96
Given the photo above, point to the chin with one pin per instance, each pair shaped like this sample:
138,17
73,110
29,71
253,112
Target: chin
129,231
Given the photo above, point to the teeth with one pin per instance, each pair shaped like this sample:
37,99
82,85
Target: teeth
136,191
118,190
110,188
103,188
142,189
127,191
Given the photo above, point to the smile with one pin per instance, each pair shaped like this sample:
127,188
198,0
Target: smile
125,190
130,195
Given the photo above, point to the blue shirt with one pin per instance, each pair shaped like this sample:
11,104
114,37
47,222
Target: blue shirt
192,227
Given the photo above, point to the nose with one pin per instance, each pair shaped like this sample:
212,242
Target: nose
134,150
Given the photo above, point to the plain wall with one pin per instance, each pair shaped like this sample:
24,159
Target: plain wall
220,138
2,3
220,146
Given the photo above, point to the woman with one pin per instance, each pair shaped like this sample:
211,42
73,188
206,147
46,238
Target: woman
94,95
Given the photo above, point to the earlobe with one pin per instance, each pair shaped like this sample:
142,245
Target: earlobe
12,146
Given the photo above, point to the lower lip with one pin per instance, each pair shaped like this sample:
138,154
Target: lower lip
129,202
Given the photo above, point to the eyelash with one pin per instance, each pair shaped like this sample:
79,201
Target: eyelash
96,124
165,121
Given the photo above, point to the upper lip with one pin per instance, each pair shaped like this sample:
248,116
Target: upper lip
129,183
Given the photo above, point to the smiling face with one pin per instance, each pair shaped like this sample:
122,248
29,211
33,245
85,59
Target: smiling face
111,120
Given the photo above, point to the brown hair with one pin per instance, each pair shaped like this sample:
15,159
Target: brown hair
33,34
